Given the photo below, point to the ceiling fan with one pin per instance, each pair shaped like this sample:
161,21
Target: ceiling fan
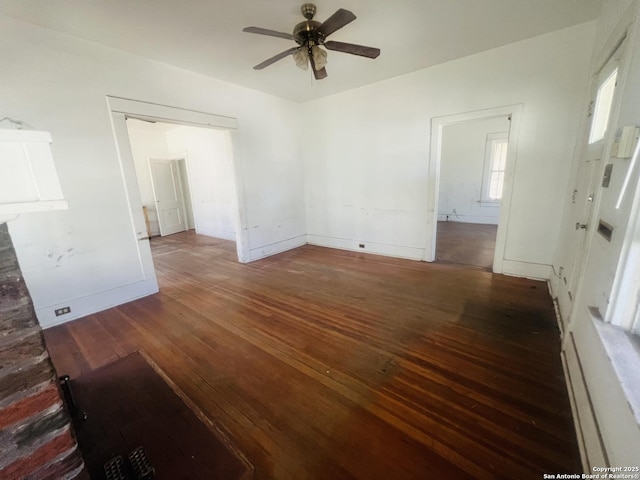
310,35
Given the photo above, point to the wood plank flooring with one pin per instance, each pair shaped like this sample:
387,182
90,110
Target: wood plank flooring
466,243
326,364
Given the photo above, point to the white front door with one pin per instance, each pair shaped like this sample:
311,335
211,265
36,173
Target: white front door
587,186
582,200
167,190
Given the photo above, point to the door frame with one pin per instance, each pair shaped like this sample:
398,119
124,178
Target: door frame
123,108
435,160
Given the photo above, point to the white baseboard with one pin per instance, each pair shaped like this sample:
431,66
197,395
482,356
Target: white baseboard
274,248
584,419
485,220
399,251
535,271
211,232
81,307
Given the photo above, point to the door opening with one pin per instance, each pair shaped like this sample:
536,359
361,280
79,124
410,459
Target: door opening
472,169
185,178
471,174
121,109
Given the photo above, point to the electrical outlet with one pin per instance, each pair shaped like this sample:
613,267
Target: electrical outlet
62,311
361,245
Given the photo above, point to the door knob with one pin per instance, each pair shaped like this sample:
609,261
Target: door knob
581,226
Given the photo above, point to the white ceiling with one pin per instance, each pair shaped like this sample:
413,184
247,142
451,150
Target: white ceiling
205,36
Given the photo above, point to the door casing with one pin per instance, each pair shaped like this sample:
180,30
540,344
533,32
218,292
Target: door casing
435,159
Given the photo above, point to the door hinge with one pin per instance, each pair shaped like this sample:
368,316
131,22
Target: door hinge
590,109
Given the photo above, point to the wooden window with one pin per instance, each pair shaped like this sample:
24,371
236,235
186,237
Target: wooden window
495,162
604,100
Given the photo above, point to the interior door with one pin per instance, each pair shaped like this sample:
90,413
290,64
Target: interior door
167,190
587,184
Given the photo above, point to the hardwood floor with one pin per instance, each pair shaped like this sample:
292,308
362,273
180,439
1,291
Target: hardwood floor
327,364
466,243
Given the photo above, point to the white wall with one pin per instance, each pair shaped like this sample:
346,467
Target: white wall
365,178
367,173
462,171
147,142
186,191
87,257
211,174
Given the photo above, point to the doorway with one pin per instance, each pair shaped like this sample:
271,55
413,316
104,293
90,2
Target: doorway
472,165
121,109
185,177
471,174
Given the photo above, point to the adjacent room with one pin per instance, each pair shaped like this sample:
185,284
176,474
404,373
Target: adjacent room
281,240
473,160
185,177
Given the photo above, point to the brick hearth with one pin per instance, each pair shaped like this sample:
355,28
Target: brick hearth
36,437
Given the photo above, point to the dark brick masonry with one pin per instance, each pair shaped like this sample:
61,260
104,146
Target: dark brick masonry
36,440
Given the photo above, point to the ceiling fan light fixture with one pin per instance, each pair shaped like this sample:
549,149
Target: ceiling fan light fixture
309,36
301,58
319,57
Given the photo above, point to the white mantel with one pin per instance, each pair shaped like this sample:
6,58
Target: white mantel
28,178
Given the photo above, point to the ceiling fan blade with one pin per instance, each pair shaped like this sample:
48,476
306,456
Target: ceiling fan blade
335,22
266,31
318,74
275,58
353,49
